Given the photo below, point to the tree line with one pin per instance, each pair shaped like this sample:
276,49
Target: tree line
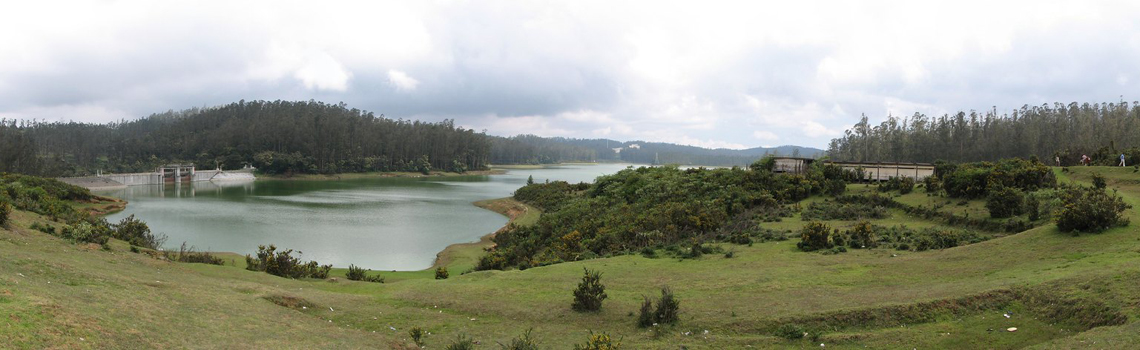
284,136
1101,130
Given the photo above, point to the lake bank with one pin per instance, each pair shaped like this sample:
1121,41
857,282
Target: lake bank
385,174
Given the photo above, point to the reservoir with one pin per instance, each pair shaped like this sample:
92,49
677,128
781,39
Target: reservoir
381,223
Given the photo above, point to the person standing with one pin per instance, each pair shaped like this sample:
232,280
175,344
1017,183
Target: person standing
1122,159
1057,159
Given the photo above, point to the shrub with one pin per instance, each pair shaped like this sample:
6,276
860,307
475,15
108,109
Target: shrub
357,273
599,341
645,316
590,292
462,342
1098,181
791,331
834,187
834,210
668,307
933,184
695,251
1090,209
5,212
1033,207
85,232
1005,202
901,183
522,342
189,255
137,233
416,333
815,236
441,273
861,236
284,264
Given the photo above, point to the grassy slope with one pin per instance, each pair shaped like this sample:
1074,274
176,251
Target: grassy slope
128,300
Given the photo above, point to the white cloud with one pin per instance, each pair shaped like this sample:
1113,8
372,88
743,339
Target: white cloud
323,72
402,81
765,135
714,73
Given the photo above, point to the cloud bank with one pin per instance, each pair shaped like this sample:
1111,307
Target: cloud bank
714,74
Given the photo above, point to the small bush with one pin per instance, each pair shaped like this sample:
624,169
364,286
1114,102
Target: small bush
668,308
590,292
5,212
1098,181
902,184
834,210
645,316
1090,209
136,232
462,342
189,255
791,332
1033,208
695,251
441,273
417,335
522,342
862,235
932,184
815,236
1005,202
284,264
85,232
357,273
599,341
834,187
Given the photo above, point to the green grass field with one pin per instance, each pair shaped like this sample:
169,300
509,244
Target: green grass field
57,294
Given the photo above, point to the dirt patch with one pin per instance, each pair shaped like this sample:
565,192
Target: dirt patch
292,302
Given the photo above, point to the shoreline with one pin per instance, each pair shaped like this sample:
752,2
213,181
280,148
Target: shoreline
516,212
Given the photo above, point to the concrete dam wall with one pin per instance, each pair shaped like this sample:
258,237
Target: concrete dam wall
114,181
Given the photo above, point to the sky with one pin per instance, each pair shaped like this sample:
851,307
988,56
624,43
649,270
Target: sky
706,73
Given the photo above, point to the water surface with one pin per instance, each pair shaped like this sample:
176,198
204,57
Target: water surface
377,223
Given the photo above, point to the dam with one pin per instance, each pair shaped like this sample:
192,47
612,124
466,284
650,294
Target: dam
170,173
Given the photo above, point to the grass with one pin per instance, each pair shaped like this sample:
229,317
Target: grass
111,298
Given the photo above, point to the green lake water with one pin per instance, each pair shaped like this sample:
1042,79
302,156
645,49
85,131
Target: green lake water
377,223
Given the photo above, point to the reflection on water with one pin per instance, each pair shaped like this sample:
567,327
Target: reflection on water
377,223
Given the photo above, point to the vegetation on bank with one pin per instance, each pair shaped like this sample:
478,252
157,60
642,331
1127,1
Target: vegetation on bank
1066,131
643,207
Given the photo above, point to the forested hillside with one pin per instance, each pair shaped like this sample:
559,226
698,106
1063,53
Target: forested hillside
530,149
1100,130
276,136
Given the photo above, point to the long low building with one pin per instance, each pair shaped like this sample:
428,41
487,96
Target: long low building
882,171
885,171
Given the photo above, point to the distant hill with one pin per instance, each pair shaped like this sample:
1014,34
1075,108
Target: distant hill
530,149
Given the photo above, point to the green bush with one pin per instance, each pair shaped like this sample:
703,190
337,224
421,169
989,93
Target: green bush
862,235
85,232
645,316
137,233
1033,207
1091,209
834,210
1005,202
357,273
462,342
815,236
5,212
974,180
417,335
189,255
932,184
1098,181
668,307
902,184
284,264
441,273
522,342
590,292
599,341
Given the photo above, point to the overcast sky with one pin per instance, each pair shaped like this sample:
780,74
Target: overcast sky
732,74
